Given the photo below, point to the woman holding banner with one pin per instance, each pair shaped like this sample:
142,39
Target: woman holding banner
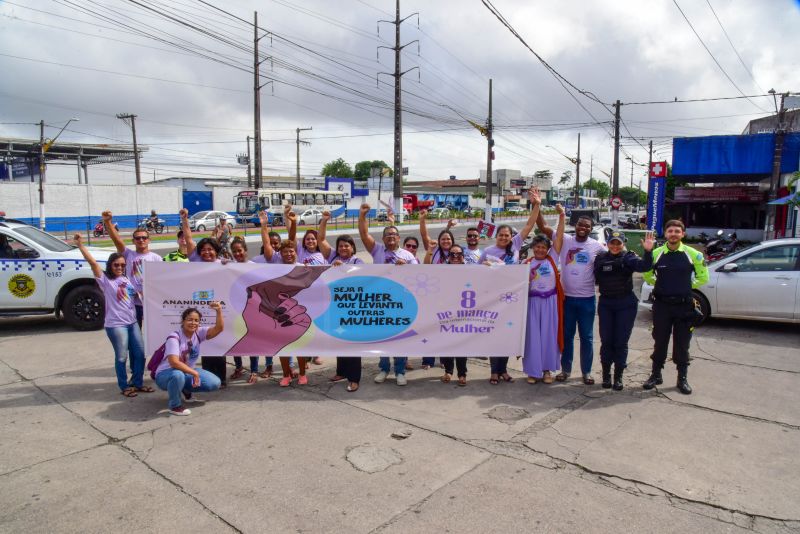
544,335
505,251
455,256
238,249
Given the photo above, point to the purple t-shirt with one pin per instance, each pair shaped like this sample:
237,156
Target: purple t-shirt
542,276
134,268
177,344
381,255
119,294
577,265
439,256
194,256
276,258
333,256
472,257
497,254
309,258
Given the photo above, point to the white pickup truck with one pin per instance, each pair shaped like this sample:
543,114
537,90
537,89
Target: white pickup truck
40,274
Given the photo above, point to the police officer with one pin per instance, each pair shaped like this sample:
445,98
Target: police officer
673,310
613,273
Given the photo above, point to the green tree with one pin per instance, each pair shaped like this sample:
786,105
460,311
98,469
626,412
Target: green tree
629,196
363,169
338,167
602,188
565,178
673,182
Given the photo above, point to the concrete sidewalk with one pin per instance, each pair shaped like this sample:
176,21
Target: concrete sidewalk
76,456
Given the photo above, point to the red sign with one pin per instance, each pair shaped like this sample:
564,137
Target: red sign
737,193
658,169
616,202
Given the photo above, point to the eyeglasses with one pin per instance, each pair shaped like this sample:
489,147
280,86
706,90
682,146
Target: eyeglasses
391,234
140,238
409,245
456,255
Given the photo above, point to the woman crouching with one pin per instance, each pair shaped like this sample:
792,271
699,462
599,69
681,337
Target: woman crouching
176,373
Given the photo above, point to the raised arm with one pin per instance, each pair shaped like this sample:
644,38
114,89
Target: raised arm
108,222
363,228
219,325
536,200
263,220
290,219
96,270
541,225
423,229
323,244
429,253
562,222
187,232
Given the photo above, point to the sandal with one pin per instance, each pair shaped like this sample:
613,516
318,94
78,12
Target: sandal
493,380
531,380
253,378
548,377
446,378
409,367
562,376
237,373
588,380
352,386
425,367
337,378
462,381
285,381
267,372
507,377
129,392
144,389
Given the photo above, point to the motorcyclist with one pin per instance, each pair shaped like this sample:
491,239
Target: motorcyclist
152,221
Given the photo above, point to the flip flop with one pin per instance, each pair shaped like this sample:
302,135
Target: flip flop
446,378
267,372
129,392
253,378
562,377
507,377
144,389
494,381
237,374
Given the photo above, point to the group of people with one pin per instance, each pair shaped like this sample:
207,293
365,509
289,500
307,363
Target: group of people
563,272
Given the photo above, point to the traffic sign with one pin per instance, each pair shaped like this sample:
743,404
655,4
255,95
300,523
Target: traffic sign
616,203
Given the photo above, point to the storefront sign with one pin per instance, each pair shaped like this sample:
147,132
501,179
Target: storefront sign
746,194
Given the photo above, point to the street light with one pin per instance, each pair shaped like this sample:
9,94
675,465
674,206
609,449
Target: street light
44,146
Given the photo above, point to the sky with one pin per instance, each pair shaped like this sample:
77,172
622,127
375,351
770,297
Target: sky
192,91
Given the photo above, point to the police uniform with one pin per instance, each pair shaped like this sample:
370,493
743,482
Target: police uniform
617,306
674,275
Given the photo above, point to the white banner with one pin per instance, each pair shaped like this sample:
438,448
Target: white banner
350,310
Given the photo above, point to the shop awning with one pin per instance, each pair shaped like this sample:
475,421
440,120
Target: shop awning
785,200
731,158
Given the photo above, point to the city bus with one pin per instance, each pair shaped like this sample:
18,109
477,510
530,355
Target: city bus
591,203
273,200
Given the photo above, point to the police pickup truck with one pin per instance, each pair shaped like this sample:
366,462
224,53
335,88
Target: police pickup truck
40,274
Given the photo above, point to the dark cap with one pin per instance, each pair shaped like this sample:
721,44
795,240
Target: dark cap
618,236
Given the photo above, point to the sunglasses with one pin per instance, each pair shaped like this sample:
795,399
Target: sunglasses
409,245
456,255
120,265
140,238
475,236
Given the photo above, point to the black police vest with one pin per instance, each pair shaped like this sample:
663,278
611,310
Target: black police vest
612,277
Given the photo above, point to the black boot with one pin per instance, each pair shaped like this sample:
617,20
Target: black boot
655,378
606,375
618,369
683,385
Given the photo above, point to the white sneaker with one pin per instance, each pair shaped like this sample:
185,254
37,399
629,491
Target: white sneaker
180,410
402,380
380,378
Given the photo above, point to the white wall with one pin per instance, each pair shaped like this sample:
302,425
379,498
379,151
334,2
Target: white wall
21,199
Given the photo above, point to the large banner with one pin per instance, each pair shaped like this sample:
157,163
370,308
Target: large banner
349,310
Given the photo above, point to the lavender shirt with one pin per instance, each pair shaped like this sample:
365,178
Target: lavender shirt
180,347
134,268
497,254
381,255
333,256
276,258
119,294
577,265
194,256
439,256
542,276
472,257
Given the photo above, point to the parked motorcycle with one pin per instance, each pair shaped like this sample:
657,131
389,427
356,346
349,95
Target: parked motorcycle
100,229
720,247
152,226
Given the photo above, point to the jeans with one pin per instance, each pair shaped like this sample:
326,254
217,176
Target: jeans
616,316
399,365
173,381
498,365
139,314
578,311
460,364
237,361
429,360
127,340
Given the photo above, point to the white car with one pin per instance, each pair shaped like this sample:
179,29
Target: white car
208,220
439,213
40,274
761,282
310,216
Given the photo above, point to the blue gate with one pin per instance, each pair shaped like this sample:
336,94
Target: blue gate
195,201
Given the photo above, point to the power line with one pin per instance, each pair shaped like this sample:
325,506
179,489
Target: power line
733,47
712,99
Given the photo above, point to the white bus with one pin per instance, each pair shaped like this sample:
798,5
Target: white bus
273,200
592,203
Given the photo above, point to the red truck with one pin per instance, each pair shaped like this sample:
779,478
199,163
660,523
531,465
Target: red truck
412,203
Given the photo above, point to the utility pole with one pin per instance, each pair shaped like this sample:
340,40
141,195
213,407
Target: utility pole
615,170
249,166
649,166
398,116
578,174
256,103
489,157
298,151
42,168
774,183
130,120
